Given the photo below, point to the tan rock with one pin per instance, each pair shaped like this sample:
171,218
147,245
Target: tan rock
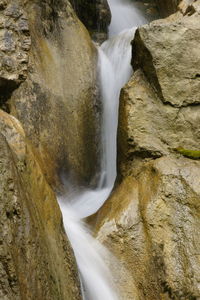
169,55
36,258
151,221
152,224
58,103
148,129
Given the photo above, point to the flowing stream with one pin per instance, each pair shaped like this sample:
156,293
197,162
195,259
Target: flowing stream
114,71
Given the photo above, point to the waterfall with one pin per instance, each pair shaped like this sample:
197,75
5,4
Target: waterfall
114,71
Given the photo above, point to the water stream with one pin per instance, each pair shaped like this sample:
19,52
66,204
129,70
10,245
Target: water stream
114,71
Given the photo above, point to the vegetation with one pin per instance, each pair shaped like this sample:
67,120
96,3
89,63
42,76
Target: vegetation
194,154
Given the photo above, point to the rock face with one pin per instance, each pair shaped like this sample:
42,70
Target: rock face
169,55
36,258
95,15
14,47
58,103
151,221
48,85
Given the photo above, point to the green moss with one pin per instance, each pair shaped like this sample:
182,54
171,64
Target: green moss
195,154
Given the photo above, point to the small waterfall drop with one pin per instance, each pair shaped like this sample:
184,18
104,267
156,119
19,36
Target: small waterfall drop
124,16
114,71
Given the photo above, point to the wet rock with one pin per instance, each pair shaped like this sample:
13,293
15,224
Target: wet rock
151,221
36,260
58,103
95,15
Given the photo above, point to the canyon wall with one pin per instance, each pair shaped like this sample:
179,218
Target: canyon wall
36,260
49,124
48,78
151,221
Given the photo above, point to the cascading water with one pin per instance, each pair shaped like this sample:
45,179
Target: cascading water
114,72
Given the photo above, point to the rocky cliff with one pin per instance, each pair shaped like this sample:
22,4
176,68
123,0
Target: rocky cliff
151,221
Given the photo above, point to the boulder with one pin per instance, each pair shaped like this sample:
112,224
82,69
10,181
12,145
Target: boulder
151,224
169,55
149,129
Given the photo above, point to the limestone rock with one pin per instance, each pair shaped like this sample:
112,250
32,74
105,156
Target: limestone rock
169,55
150,129
36,259
152,224
151,221
58,104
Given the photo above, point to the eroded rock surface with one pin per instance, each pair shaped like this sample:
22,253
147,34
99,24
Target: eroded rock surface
151,221
58,103
15,44
169,55
36,260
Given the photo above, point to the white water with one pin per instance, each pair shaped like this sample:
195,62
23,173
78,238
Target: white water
114,71
124,16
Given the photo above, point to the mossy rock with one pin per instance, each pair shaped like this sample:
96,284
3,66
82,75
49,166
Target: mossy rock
194,154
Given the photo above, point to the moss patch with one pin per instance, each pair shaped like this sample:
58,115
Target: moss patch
194,154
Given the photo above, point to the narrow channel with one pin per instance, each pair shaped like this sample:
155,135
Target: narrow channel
114,71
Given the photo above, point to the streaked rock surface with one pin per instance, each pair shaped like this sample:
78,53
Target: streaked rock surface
151,221
36,259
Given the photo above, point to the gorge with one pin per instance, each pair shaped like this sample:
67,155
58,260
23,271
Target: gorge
129,193
114,71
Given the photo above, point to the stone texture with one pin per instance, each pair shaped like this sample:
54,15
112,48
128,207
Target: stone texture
58,103
36,260
151,221
150,129
151,224
95,15
15,44
169,55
